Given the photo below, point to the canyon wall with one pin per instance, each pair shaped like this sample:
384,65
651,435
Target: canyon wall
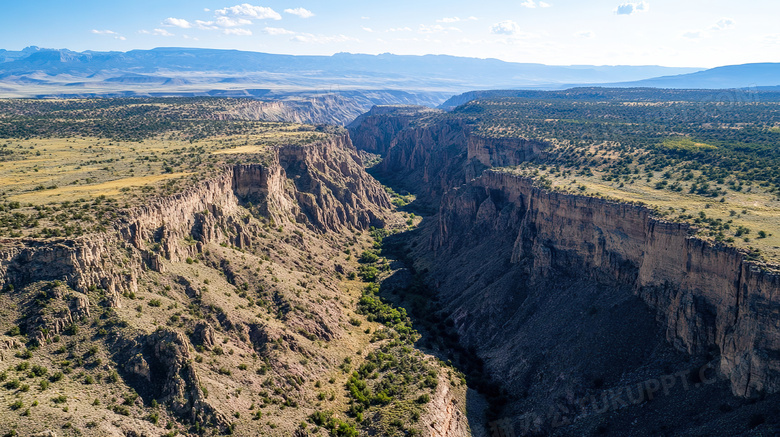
499,246
503,152
429,157
322,186
375,129
706,296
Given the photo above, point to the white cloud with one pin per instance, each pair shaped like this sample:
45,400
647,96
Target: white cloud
586,34
177,22
158,32
437,28
301,12
400,29
205,25
367,29
456,19
723,24
632,8
247,10
109,33
278,31
507,27
206,10
232,22
532,4
237,31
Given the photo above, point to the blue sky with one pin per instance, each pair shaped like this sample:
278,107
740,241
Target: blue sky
700,33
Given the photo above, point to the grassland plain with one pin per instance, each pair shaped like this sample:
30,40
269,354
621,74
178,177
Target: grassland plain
67,165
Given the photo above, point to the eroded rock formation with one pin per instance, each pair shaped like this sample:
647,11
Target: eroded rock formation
322,186
554,291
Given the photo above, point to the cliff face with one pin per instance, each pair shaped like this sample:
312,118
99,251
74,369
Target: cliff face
322,186
375,129
706,296
428,160
432,158
503,152
554,291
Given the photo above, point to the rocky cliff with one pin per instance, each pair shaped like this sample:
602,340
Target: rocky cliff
322,186
428,156
706,296
375,130
315,190
555,291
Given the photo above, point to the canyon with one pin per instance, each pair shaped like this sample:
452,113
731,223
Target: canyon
556,290
295,214
540,312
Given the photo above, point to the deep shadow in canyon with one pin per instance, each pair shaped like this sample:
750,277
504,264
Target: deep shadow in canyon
554,347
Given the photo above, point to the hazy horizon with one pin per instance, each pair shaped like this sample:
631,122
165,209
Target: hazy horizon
563,32
354,53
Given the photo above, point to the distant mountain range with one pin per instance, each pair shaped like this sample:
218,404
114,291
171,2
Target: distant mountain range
730,76
366,79
36,72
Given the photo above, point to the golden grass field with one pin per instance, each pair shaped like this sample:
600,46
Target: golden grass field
45,172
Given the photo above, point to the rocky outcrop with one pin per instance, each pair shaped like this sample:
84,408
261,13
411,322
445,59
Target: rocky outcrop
204,335
322,186
330,189
446,415
160,367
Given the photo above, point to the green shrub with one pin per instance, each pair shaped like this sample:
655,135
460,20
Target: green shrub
368,257
39,370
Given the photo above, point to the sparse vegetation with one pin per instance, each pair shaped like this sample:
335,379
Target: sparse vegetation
244,314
